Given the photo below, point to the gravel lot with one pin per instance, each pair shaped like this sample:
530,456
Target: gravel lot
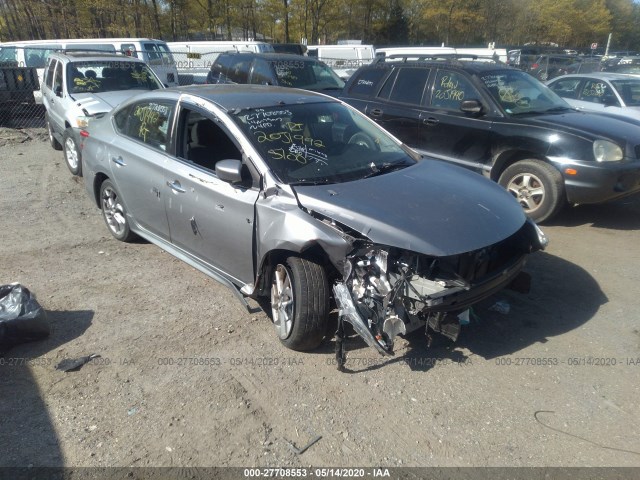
187,377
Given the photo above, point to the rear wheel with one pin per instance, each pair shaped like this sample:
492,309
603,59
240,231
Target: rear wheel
72,153
299,303
537,186
55,144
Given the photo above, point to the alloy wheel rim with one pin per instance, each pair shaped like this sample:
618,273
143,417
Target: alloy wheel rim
282,302
528,190
113,211
71,153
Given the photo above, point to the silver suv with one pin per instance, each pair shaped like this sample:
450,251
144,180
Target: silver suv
78,86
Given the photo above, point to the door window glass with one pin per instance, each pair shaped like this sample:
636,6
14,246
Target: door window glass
50,71
597,91
367,82
566,87
149,122
450,89
204,142
409,85
57,79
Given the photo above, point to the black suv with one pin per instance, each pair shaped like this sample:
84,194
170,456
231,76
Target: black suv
281,69
505,124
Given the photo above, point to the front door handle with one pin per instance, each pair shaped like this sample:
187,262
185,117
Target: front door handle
376,112
430,121
118,161
175,186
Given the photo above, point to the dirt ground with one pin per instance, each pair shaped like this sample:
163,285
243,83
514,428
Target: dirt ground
187,377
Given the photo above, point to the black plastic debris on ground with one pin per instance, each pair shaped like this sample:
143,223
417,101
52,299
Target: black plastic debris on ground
22,319
74,364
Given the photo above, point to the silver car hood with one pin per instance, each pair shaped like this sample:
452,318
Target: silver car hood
103,101
430,208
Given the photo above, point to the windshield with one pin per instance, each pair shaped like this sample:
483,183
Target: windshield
8,54
310,75
108,76
629,90
321,143
519,93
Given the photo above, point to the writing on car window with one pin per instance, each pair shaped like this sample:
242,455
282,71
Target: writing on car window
152,123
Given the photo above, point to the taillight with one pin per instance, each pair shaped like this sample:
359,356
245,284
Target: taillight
535,65
84,133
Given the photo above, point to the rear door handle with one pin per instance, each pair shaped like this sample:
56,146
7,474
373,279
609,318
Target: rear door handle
175,186
430,121
118,161
376,112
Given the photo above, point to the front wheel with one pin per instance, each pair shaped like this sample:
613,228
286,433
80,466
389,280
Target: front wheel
72,153
537,186
113,212
299,303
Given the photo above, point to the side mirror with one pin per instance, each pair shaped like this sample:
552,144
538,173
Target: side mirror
229,171
58,91
473,107
610,102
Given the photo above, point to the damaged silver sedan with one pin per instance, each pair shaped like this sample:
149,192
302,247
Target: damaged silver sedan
298,198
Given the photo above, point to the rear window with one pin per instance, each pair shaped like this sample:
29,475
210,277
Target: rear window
366,83
629,90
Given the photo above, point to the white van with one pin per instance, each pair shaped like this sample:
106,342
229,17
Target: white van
194,58
417,52
34,53
343,59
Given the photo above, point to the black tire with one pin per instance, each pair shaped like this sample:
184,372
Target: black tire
55,144
537,186
113,212
305,303
72,156
363,140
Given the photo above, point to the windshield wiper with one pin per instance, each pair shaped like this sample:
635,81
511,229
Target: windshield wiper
386,168
305,182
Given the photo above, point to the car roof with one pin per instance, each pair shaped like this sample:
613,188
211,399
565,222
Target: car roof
597,75
273,55
91,56
242,96
471,66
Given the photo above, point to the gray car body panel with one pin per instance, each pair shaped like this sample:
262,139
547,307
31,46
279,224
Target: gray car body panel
431,209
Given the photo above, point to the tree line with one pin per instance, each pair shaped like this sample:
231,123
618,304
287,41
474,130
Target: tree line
569,23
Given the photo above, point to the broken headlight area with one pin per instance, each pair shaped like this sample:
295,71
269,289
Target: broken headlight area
389,291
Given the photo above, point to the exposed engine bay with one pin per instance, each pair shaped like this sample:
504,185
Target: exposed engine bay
389,291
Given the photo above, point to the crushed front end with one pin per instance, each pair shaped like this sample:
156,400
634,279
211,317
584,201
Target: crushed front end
386,291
